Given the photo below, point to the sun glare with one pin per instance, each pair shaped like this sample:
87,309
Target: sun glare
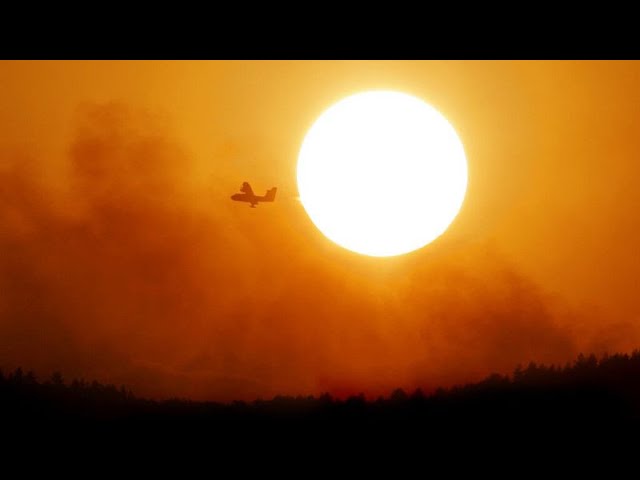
382,173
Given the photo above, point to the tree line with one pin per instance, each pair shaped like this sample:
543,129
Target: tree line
589,392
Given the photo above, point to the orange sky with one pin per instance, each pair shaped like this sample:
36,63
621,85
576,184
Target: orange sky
123,259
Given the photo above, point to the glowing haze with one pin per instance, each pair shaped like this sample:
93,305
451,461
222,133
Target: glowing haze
382,173
122,258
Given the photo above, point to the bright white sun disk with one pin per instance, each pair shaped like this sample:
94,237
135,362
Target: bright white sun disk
382,173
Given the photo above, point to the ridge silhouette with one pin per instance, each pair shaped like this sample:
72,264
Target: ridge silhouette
587,393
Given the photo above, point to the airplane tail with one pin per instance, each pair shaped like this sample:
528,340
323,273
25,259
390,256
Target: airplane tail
270,196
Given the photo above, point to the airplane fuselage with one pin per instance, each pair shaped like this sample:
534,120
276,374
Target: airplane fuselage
253,200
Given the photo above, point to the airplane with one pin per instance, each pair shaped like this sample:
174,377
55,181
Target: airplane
247,195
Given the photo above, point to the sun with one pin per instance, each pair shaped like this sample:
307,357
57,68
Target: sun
382,173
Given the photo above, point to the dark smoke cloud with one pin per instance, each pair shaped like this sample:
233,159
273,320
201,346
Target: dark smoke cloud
123,270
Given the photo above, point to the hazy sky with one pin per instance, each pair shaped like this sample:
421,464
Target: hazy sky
123,259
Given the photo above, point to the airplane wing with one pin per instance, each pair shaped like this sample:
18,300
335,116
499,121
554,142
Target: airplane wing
246,188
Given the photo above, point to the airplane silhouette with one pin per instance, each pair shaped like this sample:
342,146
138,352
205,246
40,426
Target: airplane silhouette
247,195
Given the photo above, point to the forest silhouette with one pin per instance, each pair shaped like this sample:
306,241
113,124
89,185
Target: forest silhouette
585,395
